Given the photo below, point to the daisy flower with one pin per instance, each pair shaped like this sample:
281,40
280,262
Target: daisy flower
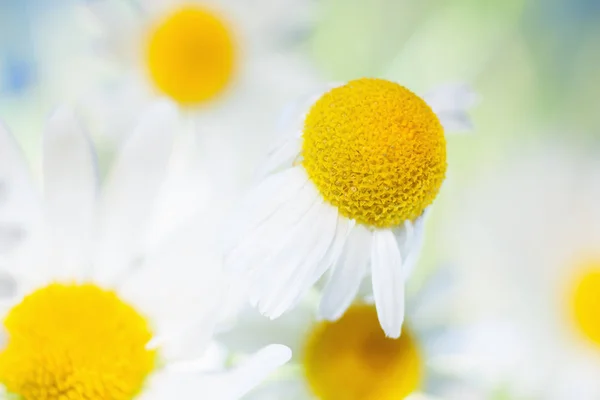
352,359
535,262
88,311
347,187
227,64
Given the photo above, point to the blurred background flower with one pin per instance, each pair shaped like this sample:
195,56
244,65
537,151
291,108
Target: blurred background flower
353,359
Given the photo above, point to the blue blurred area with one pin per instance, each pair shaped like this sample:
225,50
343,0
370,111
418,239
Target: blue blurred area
560,25
18,74
19,60
17,55
575,11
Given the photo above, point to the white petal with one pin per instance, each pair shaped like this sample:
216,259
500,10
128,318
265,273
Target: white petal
413,245
283,156
256,369
20,206
133,186
168,384
156,8
268,242
186,192
230,385
410,237
263,228
112,111
455,121
451,97
296,268
451,103
291,122
119,24
189,337
347,275
70,186
180,287
253,330
342,229
388,281
262,202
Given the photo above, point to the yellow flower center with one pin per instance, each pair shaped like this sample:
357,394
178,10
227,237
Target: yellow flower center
375,150
351,359
586,303
75,342
190,55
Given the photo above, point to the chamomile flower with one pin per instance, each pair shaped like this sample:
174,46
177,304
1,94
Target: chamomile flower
87,310
227,64
535,262
346,188
352,359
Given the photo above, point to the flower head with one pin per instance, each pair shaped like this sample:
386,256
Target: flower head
75,352
375,150
191,55
347,189
352,358
91,312
586,301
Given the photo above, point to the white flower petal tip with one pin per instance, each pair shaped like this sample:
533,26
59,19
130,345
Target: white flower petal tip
62,117
298,257
348,273
67,146
257,368
451,103
388,277
63,131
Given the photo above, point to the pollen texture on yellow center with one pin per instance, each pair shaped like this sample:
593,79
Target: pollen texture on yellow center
376,151
75,342
351,359
586,303
190,55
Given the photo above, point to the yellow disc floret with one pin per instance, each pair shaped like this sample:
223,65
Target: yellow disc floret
351,359
75,342
586,303
190,55
375,150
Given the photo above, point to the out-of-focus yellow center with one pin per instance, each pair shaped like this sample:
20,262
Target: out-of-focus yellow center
586,303
351,359
75,342
375,150
191,55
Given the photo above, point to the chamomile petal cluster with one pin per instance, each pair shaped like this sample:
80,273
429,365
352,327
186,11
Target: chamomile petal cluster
347,190
216,59
88,310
